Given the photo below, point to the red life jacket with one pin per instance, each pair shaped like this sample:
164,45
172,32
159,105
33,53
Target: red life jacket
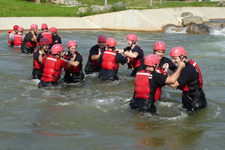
30,44
48,35
11,31
73,69
18,40
135,62
191,85
36,64
95,63
109,60
193,63
49,72
142,86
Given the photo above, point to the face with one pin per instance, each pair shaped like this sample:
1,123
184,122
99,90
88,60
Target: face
129,43
73,49
35,30
176,60
160,54
16,31
101,44
45,47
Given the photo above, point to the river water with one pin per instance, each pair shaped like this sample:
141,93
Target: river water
92,115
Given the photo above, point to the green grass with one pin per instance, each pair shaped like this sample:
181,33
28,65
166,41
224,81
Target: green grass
19,8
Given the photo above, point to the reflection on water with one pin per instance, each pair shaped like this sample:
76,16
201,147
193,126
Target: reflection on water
93,115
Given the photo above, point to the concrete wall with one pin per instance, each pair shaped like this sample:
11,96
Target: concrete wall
139,20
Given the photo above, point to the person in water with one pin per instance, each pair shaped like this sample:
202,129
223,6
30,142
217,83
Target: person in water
45,33
12,32
147,81
135,53
190,81
109,61
53,65
37,59
17,39
159,49
92,63
73,74
53,30
30,40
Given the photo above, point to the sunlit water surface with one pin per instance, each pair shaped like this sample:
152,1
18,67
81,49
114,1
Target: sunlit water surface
93,115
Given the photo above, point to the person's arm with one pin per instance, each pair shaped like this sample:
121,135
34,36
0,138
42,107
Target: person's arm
12,38
40,57
173,78
34,38
96,57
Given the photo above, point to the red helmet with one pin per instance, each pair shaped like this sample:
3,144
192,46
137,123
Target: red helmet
20,29
132,37
71,43
110,42
177,51
159,46
15,27
33,26
151,60
101,38
44,26
53,29
44,41
57,48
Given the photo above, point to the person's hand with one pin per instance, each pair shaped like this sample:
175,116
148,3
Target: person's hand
32,31
182,64
166,66
74,56
40,52
99,51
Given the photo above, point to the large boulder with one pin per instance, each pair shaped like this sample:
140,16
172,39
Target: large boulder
83,10
216,25
192,20
186,14
199,29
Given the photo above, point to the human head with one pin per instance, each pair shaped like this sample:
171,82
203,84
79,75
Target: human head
101,41
72,47
44,43
44,26
20,29
151,60
131,39
159,49
15,28
53,30
111,43
178,54
57,48
34,27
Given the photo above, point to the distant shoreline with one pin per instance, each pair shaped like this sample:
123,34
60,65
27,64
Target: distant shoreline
151,20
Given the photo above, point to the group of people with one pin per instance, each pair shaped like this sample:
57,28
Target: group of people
151,72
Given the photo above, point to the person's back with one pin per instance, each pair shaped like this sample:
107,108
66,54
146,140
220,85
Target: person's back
109,61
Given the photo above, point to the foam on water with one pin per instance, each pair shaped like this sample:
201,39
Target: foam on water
174,30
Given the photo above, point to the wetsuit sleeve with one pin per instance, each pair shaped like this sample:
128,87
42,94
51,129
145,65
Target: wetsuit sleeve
121,59
93,51
171,65
160,78
184,77
126,49
36,55
79,58
54,38
139,51
29,36
58,38
39,37
12,38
